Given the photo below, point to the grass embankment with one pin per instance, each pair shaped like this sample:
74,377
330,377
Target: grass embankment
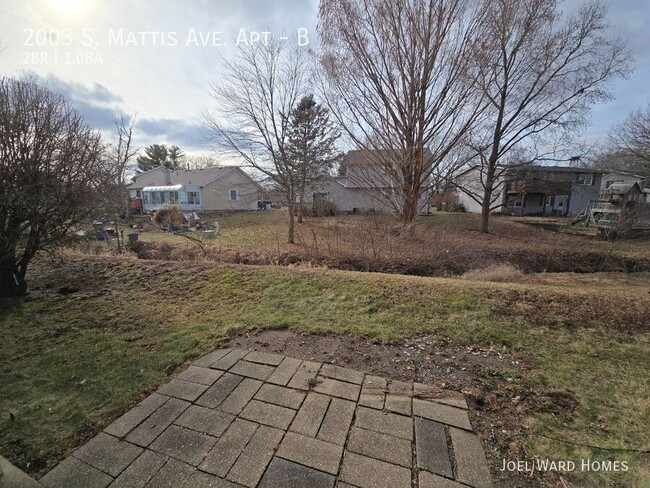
70,363
438,245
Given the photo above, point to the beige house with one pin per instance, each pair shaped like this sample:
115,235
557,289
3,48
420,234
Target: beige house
224,188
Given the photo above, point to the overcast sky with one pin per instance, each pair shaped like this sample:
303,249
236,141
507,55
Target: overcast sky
158,57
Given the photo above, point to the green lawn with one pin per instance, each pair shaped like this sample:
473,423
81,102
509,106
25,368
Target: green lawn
69,364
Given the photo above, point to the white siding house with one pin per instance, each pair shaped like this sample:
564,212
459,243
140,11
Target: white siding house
469,186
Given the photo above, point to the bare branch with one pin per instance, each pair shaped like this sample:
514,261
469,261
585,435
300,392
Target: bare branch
542,74
50,171
254,99
399,81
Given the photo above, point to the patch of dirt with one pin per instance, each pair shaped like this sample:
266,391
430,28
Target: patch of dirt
424,359
496,383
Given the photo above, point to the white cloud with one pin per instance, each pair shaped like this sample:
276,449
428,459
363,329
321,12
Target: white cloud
170,83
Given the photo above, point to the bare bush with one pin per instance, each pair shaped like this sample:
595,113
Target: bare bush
166,216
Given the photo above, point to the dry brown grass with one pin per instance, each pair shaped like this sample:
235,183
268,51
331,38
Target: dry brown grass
438,245
502,273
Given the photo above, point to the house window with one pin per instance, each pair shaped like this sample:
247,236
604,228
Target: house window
138,194
586,179
320,197
145,197
193,198
233,195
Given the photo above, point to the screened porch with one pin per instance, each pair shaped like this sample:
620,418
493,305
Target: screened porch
186,197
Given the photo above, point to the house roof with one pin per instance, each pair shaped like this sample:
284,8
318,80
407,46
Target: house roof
623,188
362,157
557,169
198,177
624,173
530,167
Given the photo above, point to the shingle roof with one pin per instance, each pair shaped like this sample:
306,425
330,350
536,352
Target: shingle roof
364,156
199,177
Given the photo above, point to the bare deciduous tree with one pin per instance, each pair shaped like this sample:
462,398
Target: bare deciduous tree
399,80
201,161
121,153
254,98
541,72
123,149
629,144
50,167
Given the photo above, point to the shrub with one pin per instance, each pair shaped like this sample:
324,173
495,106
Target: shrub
456,208
166,216
323,209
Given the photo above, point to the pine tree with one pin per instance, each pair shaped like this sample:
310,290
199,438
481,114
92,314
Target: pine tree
175,157
312,145
154,156
160,155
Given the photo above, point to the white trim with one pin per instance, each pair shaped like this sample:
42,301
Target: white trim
163,188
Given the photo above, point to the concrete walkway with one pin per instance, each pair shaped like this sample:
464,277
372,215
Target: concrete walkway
242,418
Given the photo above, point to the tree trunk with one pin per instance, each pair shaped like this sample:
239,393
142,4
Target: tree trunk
300,201
12,283
410,209
292,224
488,187
487,201
485,210
127,211
492,165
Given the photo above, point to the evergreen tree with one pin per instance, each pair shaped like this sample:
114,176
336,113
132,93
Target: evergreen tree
312,145
160,155
154,156
175,157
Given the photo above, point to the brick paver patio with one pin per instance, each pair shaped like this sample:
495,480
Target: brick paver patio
247,418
